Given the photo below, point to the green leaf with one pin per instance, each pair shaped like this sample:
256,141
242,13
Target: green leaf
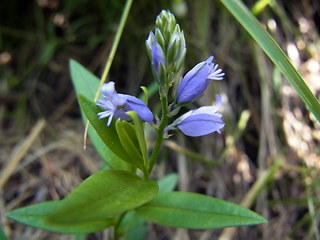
92,206
108,134
34,216
84,81
129,141
87,84
271,48
103,195
196,211
168,182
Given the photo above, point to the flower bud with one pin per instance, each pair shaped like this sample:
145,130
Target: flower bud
157,56
149,43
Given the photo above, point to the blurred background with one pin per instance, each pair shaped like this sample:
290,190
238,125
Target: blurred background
268,128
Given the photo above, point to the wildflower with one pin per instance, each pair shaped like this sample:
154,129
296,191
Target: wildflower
116,105
197,80
201,121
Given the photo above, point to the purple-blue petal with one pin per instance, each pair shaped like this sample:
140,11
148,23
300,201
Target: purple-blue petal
200,124
139,107
121,114
194,82
157,56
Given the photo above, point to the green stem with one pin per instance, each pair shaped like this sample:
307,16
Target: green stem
115,44
160,131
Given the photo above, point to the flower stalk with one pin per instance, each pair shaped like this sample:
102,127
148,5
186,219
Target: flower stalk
166,48
160,133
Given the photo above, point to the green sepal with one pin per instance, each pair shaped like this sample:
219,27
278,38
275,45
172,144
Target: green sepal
146,95
128,138
141,138
172,53
159,39
162,74
180,60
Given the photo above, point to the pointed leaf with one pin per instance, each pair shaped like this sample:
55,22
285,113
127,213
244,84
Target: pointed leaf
84,81
92,206
196,211
168,182
103,195
34,216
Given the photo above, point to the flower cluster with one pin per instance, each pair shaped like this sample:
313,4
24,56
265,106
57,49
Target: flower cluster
166,48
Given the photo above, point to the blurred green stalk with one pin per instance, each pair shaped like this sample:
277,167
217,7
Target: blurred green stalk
271,48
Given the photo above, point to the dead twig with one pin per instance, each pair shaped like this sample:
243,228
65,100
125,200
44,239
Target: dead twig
19,153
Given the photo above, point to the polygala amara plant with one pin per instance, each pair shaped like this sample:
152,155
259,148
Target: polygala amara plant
124,197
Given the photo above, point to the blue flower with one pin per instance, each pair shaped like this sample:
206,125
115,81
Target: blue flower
201,121
116,105
197,80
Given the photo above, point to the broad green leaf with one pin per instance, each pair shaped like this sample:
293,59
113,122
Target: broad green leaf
168,182
87,84
196,211
129,141
271,48
108,134
84,81
34,216
103,195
